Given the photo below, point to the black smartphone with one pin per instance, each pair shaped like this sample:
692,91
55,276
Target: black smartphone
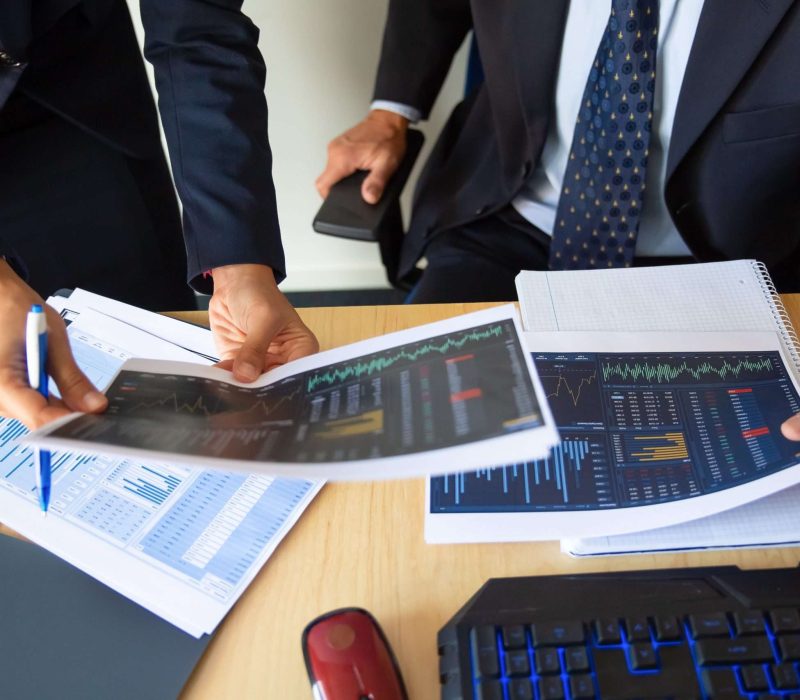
345,213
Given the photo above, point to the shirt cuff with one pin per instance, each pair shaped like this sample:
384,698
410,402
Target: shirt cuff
411,113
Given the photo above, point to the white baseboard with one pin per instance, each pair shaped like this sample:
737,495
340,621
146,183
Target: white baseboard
314,279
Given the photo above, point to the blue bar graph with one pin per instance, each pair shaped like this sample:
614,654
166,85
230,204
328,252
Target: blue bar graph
575,474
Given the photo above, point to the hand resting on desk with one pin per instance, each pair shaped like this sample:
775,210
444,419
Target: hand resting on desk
17,399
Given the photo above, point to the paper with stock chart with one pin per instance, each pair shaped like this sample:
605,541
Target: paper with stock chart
455,394
656,429
181,541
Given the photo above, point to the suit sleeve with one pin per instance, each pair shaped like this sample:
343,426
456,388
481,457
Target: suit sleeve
210,82
419,42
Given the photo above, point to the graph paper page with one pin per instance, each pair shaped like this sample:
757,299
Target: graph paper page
770,521
726,296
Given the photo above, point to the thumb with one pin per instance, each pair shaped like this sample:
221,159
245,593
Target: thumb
77,392
791,428
375,183
249,360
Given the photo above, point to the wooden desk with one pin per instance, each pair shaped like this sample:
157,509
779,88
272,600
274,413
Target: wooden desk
362,544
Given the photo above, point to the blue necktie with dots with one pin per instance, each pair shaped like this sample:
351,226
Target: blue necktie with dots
601,199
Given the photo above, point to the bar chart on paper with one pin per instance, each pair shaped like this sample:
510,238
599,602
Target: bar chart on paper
641,429
205,528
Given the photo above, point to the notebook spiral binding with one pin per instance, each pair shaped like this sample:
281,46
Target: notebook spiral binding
782,320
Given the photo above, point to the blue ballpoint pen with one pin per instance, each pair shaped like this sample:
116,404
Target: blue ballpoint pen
36,353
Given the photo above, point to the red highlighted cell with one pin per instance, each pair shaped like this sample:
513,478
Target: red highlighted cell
464,395
755,432
460,358
740,391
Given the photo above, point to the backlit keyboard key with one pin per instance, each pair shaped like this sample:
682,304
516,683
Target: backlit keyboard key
546,661
754,678
668,629
741,650
576,660
514,636
720,683
551,688
637,629
785,620
789,647
520,689
750,622
709,625
581,687
643,657
607,631
484,651
517,663
785,677
489,690
559,634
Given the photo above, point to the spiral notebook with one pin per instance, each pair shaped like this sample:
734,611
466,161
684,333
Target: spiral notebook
768,522
726,296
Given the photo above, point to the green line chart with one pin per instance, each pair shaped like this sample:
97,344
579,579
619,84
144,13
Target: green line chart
693,369
379,363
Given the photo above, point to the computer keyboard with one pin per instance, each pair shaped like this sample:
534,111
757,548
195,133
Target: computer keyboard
688,633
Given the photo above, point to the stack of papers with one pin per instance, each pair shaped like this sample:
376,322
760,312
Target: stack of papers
669,386
182,541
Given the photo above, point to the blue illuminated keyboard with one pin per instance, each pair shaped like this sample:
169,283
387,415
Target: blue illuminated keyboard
690,633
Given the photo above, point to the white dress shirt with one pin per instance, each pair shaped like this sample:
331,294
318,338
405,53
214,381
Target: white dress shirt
586,22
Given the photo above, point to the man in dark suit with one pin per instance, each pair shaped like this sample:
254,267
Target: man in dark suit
730,169
683,143
87,198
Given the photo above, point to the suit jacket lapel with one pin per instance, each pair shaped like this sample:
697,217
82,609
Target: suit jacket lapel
729,37
538,32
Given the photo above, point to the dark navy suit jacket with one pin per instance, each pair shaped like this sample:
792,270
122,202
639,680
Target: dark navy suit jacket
72,56
733,172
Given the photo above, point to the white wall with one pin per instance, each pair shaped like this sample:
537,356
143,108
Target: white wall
321,57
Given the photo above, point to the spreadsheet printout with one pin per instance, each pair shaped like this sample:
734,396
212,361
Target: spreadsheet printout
656,429
768,522
183,542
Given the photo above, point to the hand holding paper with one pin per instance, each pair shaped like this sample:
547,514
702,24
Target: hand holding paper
255,328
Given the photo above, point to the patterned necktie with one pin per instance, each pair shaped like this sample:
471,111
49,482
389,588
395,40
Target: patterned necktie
601,200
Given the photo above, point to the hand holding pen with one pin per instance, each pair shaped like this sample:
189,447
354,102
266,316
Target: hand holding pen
17,399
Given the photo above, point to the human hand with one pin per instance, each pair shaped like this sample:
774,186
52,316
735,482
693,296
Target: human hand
377,144
255,327
791,428
17,399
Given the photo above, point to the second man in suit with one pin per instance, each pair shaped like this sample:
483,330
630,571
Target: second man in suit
606,133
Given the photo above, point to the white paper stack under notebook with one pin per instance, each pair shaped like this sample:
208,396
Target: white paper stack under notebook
727,296
669,386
